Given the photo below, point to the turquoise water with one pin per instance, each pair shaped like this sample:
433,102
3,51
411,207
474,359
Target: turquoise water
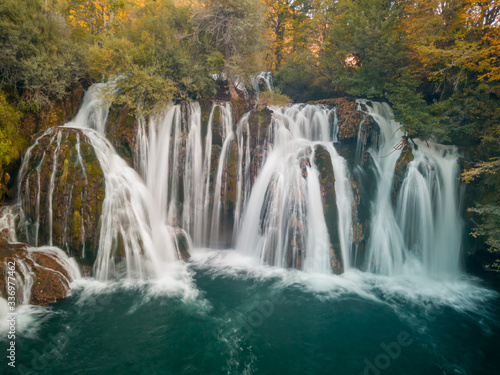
221,314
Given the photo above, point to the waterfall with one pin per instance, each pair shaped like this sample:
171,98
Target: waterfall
134,239
8,216
386,247
93,111
266,78
284,222
28,264
130,221
278,191
164,166
428,209
424,223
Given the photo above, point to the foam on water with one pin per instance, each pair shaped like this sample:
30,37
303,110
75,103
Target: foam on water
464,294
29,319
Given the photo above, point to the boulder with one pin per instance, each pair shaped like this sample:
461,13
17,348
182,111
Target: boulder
40,276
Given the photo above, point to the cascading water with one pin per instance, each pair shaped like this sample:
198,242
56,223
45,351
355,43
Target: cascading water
189,166
284,222
133,240
428,209
93,111
386,245
263,77
425,223
277,210
130,220
27,266
8,216
164,166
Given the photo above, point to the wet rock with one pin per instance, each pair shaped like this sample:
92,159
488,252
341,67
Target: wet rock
349,118
327,182
182,243
62,190
401,168
39,277
121,131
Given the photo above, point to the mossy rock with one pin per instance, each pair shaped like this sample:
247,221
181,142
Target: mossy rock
326,177
121,130
50,280
259,122
401,169
75,201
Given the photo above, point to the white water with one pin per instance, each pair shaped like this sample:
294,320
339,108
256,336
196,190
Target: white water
93,111
8,217
266,78
428,209
386,247
25,274
425,225
278,218
131,222
164,165
283,223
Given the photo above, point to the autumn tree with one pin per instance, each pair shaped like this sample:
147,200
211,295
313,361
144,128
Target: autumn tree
39,60
234,28
153,58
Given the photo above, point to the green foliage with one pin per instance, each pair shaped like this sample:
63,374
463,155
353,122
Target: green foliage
486,216
365,48
274,97
38,59
366,56
11,142
490,226
153,59
300,79
233,29
417,117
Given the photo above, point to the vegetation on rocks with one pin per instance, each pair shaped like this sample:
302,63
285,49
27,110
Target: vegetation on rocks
63,179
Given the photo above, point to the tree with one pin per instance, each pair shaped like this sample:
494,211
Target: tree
234,28
39,61
153,58
11,142
366,55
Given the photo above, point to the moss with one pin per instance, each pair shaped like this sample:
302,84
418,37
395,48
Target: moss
77,226
217,128
232,172
326,178
78,203
94,170
64,176
119,246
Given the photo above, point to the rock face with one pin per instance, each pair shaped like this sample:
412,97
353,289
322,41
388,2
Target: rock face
121,128
327,183
41,276
61,191
401,168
